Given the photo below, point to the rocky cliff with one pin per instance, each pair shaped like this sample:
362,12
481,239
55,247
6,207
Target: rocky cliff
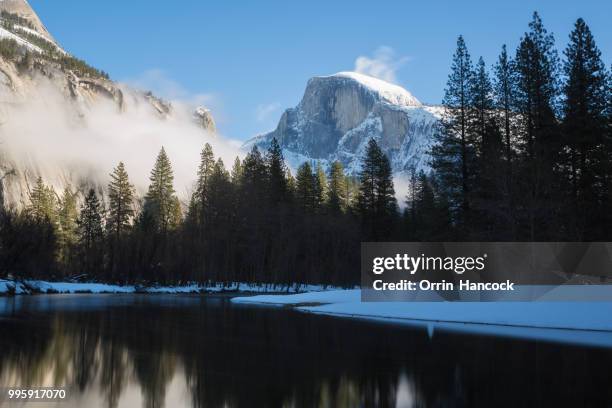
36,71
338,114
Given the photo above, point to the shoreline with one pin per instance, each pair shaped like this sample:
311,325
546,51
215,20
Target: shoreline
586,323
38,287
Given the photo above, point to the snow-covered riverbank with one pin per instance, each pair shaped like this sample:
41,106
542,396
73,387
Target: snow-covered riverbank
9,287
575,322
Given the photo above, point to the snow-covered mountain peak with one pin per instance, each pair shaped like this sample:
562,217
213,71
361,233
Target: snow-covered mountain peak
391,93
340,113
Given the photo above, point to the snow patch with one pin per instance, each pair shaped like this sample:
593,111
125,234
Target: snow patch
42,36
391,93
581,322
7,34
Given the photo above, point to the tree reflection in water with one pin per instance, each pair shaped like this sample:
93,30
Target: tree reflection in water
205,352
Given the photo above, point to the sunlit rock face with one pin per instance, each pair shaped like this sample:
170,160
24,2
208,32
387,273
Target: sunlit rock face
22,8
35,84
205,120
339,114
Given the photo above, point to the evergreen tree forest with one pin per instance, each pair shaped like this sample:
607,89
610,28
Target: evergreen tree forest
522,153
252,223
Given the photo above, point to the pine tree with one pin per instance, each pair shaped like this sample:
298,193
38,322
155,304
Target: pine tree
252,213
121,197
219,221
336,197
481,95
254,169
426,215
68,215
161,205
504,89
320,191
487,194
493,219
291,185
586,148
120,214
536,93
198,206
420,209
43,203
220,195
91,234
236,173
386,202
254,180
454,150
306,188
376,202
351,193
277,181
366,201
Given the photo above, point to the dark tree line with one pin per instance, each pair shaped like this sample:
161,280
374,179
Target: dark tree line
254,223
526,154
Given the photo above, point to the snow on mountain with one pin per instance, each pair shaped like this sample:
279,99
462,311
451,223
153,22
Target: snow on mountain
340,113
23,9
391,93
7,34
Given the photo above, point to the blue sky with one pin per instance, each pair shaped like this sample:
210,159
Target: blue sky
250,60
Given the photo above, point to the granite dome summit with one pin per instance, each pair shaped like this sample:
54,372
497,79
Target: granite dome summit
338,114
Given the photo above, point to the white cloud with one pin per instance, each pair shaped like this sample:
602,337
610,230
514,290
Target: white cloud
86,145
158,82
265,111
383,64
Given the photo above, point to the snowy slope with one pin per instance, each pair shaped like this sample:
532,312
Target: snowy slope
571,322
7,34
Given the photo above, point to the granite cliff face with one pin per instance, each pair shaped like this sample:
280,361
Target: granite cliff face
205,120
338,115
35,71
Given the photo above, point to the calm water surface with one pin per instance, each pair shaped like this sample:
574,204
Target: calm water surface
175,351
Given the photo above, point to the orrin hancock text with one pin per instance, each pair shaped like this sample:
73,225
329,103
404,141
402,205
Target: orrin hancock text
464,285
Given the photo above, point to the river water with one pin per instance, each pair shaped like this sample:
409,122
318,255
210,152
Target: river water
193,351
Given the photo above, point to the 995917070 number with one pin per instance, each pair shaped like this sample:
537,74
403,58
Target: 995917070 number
46,394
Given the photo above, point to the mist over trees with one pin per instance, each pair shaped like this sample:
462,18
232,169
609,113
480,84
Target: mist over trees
523,152
254,223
